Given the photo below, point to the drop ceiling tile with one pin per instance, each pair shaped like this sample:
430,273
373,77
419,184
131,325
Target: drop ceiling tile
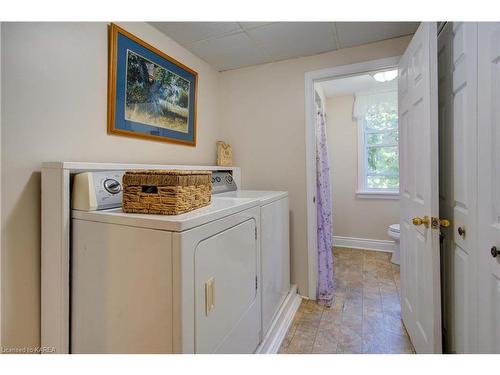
231,45
190,32
253,25
284,40
356,33
229,52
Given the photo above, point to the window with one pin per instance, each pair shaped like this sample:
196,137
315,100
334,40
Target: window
378,157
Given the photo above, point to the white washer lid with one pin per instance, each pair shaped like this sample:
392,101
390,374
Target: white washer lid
394,228
263,196
217,209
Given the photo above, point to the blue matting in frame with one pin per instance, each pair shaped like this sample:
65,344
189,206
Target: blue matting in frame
121,123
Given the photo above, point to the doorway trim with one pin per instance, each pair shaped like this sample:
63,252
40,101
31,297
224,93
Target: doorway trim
310,78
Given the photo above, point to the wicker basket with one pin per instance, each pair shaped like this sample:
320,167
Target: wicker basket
165,192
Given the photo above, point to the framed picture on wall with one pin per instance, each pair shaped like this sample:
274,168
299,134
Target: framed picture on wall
150,94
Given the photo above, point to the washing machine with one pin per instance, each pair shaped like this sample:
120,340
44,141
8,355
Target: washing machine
186,283
275,248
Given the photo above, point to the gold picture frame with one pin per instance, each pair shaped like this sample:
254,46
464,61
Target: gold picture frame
158,70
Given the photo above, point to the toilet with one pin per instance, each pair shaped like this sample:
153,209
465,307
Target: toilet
393,232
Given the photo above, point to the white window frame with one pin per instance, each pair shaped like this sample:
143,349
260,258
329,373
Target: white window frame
362,190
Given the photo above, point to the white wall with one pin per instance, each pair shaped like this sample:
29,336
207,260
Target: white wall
262,113
54,83
352,216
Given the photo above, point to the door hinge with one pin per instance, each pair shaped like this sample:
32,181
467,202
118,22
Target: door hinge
255,232
256,283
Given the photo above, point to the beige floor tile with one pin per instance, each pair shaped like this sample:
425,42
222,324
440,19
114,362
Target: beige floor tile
397,344
331,322
302,343
298,347
349,344
375,344
326,341
394,325
341,250
365,316
286,341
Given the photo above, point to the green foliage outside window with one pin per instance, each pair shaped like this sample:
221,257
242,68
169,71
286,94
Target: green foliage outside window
381,146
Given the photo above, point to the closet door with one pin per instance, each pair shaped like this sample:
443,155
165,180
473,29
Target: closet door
457,59
489,188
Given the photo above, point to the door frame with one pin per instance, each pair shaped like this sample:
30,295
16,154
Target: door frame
312,77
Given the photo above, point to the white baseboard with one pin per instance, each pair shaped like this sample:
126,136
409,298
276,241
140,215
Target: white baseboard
272,341
364,243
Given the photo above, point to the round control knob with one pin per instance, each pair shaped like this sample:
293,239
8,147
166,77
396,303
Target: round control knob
112,186
229,179
494,252
217,179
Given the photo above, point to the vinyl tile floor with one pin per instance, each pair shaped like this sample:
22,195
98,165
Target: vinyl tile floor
365,316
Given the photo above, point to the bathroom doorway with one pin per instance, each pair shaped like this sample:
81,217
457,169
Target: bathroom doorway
312,81
359,106
361,118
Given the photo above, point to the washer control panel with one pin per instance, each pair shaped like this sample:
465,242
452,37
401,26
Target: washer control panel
222,181
97,190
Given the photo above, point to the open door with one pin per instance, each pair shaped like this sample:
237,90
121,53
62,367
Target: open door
419,191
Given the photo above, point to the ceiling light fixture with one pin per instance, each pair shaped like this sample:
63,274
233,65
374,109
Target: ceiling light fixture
386,76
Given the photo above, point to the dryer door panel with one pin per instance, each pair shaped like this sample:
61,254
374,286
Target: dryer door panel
227,307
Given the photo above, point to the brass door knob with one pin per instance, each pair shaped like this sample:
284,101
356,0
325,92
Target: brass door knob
444,223
421,221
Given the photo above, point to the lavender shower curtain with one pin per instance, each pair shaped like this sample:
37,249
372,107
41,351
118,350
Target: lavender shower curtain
324,213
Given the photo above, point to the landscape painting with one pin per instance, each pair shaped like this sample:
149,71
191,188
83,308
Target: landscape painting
150,94
155,95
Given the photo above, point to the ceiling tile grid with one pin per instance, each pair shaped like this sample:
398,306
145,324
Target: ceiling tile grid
232,45
229,52
186,33
352,34
285,40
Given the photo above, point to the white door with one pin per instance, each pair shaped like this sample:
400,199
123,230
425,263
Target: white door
489,187
418,129
457,61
